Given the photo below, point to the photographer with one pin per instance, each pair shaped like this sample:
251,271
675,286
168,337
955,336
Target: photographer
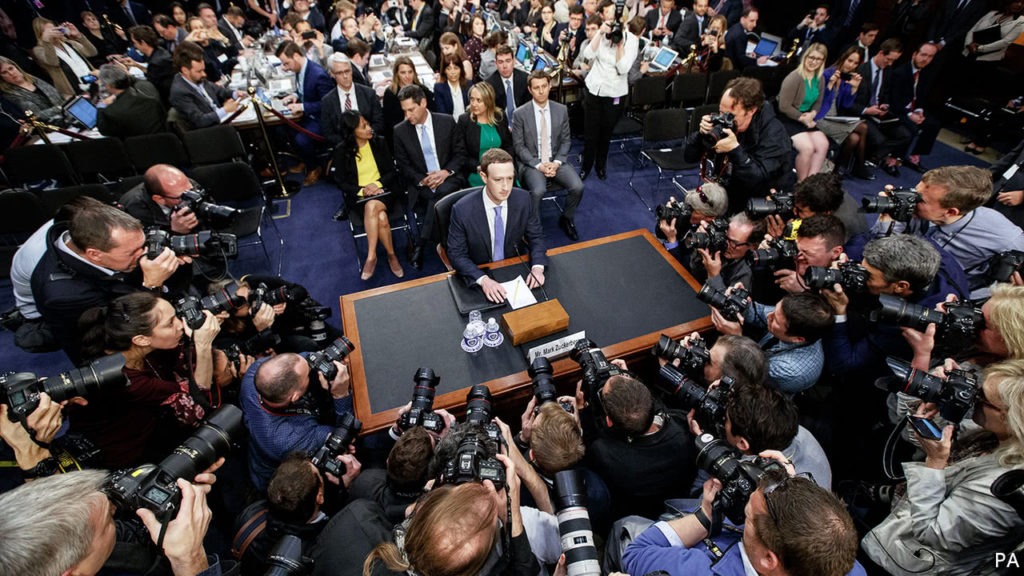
31,442
789,333
729,266
750,149
737,357
65,525
283,415
823,194
154,200
707,202
819,242
948,521
793,527
950,211
404,477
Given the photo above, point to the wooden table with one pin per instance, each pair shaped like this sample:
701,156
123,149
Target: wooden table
624,291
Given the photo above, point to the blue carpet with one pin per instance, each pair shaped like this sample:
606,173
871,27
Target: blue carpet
319,252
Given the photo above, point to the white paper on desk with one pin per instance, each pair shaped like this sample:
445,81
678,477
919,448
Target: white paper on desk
518,293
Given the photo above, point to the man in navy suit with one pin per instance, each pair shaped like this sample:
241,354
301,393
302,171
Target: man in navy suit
200,101
348,96
736,41
691,28
129,14
488,226
731,9
313,84
507,80
663,22
813,28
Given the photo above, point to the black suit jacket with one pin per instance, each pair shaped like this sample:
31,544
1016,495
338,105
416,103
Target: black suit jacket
331,111
225,29
951,25
469,133
358,77
519,86
469,238
688,33
193,106
160,72
672,22
134,112
424,26
736,47
448,147
581,35
346,174
901,88
142,15
823,35
444,100
732,11
867,87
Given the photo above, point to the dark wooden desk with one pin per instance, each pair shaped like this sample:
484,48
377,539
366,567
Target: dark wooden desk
623,290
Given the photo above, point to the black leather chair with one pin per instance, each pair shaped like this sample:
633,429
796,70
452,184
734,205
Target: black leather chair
160,148
443,219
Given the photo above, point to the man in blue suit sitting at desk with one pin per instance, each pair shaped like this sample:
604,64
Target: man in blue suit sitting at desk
499,212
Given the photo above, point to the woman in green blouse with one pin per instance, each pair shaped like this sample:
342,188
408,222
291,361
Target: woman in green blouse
799,101
482,127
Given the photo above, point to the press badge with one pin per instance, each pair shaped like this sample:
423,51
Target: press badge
616,101
1011,171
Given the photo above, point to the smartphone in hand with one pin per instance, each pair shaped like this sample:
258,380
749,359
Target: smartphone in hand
925,428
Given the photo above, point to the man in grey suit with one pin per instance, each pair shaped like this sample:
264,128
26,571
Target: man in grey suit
540,135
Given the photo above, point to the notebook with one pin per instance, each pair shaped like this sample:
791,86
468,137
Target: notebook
469,298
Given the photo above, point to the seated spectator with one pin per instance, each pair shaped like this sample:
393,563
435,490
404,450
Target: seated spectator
312,41
359,53
488,61
842,82
482,127
869,33
108,40
309,13
813,29
452,92
367,177
789,333
159,68
231,24
711,53
510,85
179,14
911,82
754,153
663,22
545,32
799,102
736,41
451,46
171,34
582,63
133,107
170,379
403,73
315,85
948,520
63,52
1009,184
474,45
349,96
220,57
30,94
349,30
691,28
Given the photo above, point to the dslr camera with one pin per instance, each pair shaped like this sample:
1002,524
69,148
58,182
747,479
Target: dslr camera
574,525
195,200
337,443
204,243
282,294
780,255
851,276
960,323
596,368
719,123
681,211
732,306
422,411
478,413
190,309
615,35
900,204
20,390
1004,264
691,358
955,395
540,372
323,361
708,403
713,239
155,487
739,477
474,461
779,204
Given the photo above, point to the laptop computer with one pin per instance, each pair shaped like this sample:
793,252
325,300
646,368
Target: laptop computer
521,51
82,111
663,59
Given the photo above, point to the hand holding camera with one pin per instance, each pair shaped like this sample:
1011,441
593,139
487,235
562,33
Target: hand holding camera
155,271
339,385
183,221
40,427
183,537
205,334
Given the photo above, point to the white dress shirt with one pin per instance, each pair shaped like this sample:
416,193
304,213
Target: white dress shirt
458,108
74,60
608,77
545,113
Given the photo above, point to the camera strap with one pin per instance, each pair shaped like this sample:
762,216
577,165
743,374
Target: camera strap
294,409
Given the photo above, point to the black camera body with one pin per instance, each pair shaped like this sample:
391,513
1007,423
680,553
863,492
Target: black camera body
155,488
955,395
708,403
195,200
780,255
732,306
1003,265
779,204
337,443
615,35
203,243
478,413
190,312
691,359
850,275
680,211
224,300
960,324
739,477
20,390
262,294
900,204
540,373
474,462
719,123
323,361
596,368
421,413
713,239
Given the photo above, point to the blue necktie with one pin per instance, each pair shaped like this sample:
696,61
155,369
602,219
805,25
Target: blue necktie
428,151
510,102
852,12
499,235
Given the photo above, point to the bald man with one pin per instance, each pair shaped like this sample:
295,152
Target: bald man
154,200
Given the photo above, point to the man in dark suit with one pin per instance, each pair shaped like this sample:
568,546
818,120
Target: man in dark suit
310,14
133,107
358,53
313,83
507,80
200,101
865,39
731,9
849,15
886,135
129,14
663,22
572,32
421,24
736,41
348,96
159,65
540,134
170,34
231,24
488,227
954,19
911,82
691,27
813,28
428,153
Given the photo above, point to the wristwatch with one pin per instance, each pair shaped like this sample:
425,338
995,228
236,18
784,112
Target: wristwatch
46,467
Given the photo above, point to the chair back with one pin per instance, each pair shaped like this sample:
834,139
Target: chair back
159,148
717,83
214,145
649,91
25,164
100,159
443,211
21,213
52,200
699,112
665,125
689,88
229,182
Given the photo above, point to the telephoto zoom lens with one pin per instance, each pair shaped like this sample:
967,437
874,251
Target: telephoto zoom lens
574,525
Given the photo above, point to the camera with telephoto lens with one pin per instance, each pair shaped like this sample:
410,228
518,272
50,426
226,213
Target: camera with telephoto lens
850,275
478,413
224,300
20,390
780,255
719,123
731,306
955,394
257,344
779,204
286,559
323,361
1003,265
596,368
708,403
540,372
421,413
155,487
190,312
574,525
959,324
195,200
204,243
900,204
325,458
615,35
314,315
739,477
714,238
692,358
1009,488
474,461
680,211
262,294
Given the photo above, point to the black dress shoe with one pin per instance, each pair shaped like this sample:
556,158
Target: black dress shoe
569,228
417,257
863,173
915,166
584,173
602,174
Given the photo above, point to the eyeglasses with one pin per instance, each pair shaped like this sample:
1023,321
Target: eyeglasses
767,491
984,401
736,243
814,59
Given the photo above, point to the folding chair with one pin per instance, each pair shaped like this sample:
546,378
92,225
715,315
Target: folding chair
214,145
689,89
100,160
37,163
20,215
717,82
662,126
52,200
396,217
160,148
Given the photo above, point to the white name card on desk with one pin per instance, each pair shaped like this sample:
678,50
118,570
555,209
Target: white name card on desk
555,348
518,293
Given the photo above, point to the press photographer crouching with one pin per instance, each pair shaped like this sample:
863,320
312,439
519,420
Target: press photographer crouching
816,241
718,250
748,147
737,357
948,521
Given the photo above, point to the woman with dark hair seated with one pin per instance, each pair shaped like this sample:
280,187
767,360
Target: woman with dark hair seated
365,172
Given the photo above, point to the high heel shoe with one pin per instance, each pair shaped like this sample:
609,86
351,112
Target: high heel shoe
368,269
396,268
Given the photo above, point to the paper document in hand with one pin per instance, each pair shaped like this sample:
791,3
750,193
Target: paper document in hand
518,293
